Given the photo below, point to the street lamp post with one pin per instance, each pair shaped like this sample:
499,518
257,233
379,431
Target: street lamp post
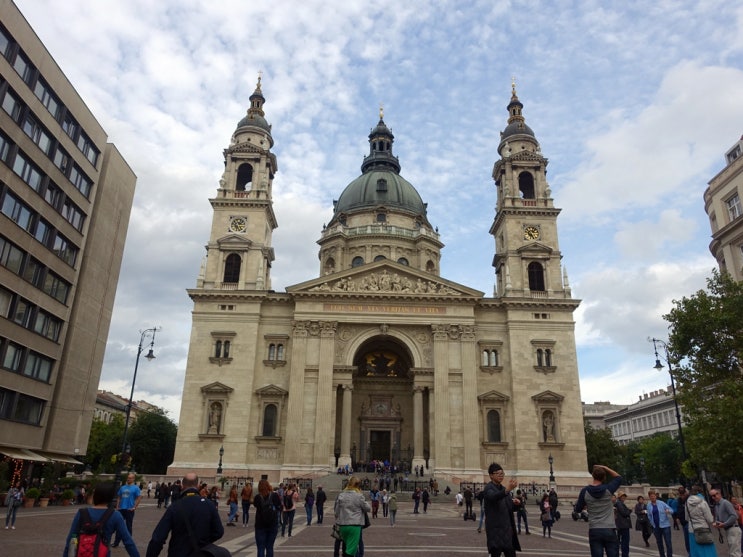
221,453
659,366
551,460
150,356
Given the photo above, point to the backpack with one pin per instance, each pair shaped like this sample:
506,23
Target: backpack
90,540
267,510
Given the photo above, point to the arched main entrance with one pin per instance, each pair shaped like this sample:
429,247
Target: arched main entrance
382,428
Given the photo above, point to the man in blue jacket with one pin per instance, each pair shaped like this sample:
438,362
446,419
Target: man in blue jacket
192,520
660,517
596,499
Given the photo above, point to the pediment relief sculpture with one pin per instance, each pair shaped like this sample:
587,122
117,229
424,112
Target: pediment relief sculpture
384,281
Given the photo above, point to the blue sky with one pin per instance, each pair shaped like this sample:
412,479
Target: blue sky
634,103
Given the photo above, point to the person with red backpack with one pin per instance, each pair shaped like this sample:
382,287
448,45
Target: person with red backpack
92,528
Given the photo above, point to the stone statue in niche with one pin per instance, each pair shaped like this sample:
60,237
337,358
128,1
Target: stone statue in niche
215,418
548,423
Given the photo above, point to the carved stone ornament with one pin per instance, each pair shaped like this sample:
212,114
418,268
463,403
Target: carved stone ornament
385,281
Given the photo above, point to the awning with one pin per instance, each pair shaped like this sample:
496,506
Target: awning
59,458
23,454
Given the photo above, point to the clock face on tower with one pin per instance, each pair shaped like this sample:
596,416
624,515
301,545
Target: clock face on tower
238,224
531,233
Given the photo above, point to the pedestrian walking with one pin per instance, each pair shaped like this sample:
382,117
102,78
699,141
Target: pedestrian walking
309,503
268,510
320,498
129,496
246,497
500,526
726,521
393,508
623,521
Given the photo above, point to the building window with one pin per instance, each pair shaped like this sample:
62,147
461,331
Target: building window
52,194
12,106
73,214
536,276
526,185
65,250
44,93
734,207
4,43
23,67
16,211
430,266
87,148
69,125
276,352
381,217
382,185
22,313
5,145
357,261
379,258
11,257
232,268
56,287
43,231
47,325
37,133
403,261
80,180
494,427
27,171
20,408
38,367
13,357
61,159
269,420
34,272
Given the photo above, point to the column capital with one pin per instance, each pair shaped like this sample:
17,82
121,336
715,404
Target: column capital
418,389
347,387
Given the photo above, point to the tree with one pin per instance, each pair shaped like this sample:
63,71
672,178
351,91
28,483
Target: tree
152,439
104,444
601,448
705,349
662,458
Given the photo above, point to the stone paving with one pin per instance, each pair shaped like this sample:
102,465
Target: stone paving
41,533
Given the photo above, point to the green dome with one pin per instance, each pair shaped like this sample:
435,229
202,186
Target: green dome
380,187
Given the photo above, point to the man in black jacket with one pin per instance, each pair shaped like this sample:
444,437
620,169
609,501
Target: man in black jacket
320,499
202,516
500,526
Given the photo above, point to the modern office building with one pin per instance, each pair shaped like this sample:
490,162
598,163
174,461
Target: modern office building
65,199
379,357
722,202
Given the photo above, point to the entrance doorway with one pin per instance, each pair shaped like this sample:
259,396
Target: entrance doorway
380,443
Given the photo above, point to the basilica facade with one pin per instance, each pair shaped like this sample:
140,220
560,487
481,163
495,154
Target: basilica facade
380,357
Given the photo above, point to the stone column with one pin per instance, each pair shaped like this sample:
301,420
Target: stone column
346,426
441,429
469,394
324,422
295,404
417,423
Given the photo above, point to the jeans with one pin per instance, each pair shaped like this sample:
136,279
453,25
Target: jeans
264,539
624,541
246,512
319,513
663,535
603,539
128,515
308,510
10,517
520,515
288,521
393,514
233,512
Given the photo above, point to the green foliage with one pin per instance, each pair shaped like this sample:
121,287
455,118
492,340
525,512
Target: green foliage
601,448
152,439
33,493
104,444
662,457
706,349
68,494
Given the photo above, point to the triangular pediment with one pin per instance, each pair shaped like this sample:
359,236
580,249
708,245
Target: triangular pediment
233,241
548,396
533,247
384,278
493,396
271,390
216,388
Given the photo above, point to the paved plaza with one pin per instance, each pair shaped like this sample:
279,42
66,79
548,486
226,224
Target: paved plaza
41,533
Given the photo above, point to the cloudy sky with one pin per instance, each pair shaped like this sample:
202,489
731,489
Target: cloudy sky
634,103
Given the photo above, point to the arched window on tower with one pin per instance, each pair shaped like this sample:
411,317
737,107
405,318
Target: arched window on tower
226,349
244,177
269,421
526,185
218,349
494,427
548,357
430,266
536,276
232,268
329,265
540,357
357,261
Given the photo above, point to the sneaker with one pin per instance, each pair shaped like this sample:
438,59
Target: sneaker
12,527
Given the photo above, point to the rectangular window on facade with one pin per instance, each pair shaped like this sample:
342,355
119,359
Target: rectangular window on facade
61,159
11,257
37,133
734,207
87,148
69,125
27,171
13,357
80,180
73,214
37,367
65,250
23,67
23,313
12,106
47,325
28,409
34,272
16,211
44,93
5,145
52,194
4,43
56,287
6,297
43,231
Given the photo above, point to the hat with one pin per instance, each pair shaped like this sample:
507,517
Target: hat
621,494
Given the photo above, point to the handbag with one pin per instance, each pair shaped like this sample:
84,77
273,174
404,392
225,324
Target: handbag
336,532
546,517
703,536
367,522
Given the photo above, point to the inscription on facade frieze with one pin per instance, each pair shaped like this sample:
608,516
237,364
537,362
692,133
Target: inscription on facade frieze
384,308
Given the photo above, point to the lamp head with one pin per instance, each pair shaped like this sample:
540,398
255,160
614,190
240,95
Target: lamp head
221,451
550,459
150,355
658,365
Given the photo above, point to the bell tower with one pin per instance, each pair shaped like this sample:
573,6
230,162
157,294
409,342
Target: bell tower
239,253
527,253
